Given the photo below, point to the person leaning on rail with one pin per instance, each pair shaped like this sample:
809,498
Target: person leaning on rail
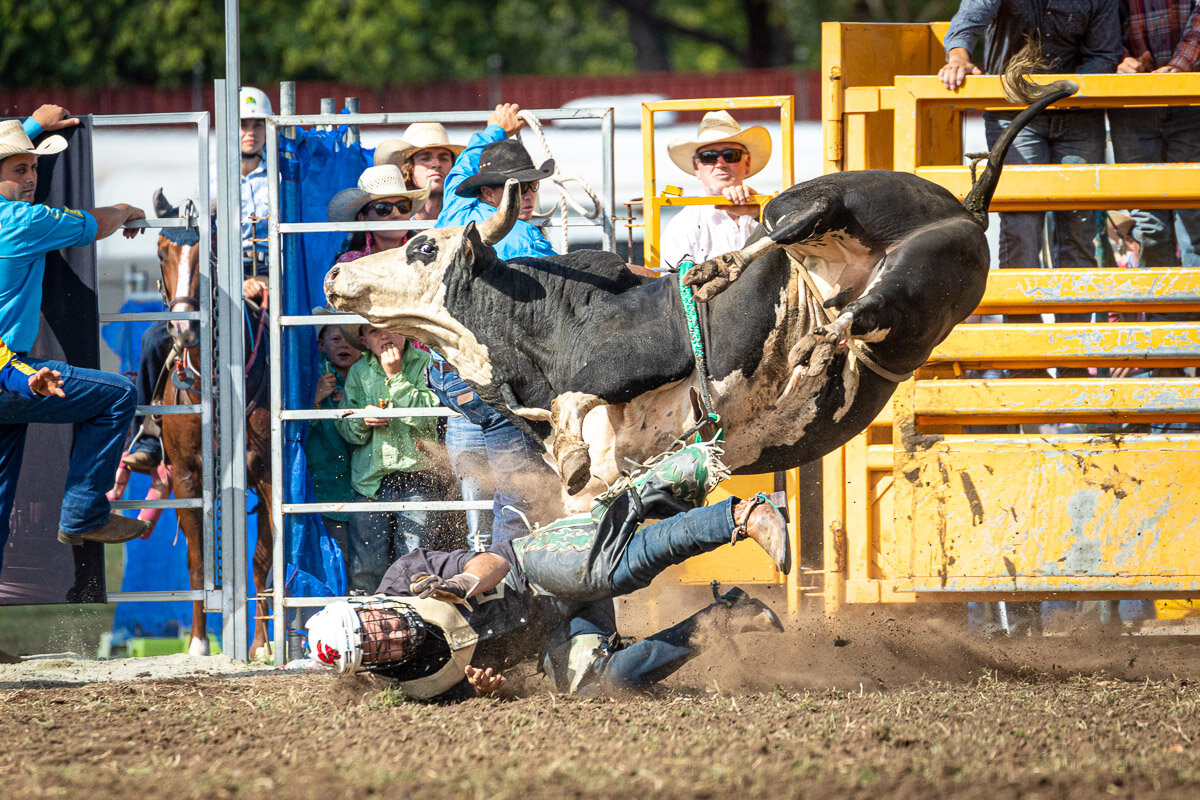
722,156
1163,37
101,404
449,623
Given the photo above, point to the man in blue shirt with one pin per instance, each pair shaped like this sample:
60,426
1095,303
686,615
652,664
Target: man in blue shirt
490,455
99,403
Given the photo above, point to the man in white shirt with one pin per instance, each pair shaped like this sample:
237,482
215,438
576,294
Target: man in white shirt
723,155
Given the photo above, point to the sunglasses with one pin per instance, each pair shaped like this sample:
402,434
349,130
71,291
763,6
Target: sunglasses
732,155
384,208
532,186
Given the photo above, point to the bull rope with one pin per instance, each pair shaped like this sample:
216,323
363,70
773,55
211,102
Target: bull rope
697,341
560,181
853,346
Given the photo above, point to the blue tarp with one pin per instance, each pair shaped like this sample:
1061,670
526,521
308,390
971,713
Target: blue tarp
314,166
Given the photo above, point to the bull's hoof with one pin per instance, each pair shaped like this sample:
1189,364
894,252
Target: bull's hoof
198,647
575,467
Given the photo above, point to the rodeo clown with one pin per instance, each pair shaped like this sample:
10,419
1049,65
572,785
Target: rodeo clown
446,624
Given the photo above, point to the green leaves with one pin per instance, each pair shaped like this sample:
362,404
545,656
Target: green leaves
105,43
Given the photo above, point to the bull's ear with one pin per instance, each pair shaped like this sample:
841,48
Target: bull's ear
472,250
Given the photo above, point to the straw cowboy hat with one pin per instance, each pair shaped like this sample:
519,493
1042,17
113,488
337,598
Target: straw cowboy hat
720,126
14,141
375,183
350,332
418,136
501,161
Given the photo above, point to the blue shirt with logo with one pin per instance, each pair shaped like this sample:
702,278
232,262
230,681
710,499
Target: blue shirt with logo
27,233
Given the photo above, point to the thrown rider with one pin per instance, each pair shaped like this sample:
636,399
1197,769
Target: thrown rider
446,625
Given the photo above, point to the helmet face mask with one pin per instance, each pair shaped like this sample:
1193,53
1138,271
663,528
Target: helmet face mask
375,634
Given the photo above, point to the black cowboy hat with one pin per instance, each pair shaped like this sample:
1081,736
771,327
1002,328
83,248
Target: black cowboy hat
500,161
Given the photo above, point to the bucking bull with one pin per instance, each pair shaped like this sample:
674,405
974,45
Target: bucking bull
847,286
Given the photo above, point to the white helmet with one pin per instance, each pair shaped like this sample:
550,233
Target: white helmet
371,633
254,104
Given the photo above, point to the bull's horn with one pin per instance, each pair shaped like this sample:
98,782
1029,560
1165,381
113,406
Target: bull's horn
532,414
499,224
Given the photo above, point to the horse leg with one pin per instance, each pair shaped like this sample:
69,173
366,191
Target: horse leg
263,552
193,532
180,433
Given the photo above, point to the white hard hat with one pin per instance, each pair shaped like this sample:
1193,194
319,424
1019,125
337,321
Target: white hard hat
254,104
334,638
372,633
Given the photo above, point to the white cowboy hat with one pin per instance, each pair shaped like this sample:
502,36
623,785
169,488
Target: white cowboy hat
720,126
14,141
373,184
418,136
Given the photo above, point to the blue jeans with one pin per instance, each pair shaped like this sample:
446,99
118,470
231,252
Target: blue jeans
1168,238
651,549
590,562
101,405
377,538
1055,137
491,457
642,663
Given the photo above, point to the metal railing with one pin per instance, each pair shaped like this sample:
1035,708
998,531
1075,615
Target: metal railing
203,318
279,415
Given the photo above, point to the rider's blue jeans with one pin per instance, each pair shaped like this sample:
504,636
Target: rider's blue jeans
101,406
492,458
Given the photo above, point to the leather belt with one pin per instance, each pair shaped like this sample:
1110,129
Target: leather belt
441,366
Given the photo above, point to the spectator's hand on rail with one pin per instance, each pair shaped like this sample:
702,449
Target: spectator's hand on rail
375,422
1168,68
740,196
53,118
254,290
47,382
958,66
484,681
326,387
1131,66
131,213
505,115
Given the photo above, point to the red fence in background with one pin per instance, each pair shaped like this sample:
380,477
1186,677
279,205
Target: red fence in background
530,91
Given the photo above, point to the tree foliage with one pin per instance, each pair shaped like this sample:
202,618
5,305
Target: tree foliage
385,42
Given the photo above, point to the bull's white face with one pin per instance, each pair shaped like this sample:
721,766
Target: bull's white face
404,291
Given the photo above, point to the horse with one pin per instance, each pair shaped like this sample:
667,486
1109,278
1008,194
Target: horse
179,262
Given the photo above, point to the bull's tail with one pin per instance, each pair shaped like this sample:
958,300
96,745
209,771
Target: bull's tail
1018,88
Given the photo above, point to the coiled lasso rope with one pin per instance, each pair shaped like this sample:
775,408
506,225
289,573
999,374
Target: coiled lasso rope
560,180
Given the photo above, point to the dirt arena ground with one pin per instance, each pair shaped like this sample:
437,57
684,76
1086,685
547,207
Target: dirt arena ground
878,708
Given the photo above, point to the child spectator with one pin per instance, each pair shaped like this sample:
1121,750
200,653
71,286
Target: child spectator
387,463
327,452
